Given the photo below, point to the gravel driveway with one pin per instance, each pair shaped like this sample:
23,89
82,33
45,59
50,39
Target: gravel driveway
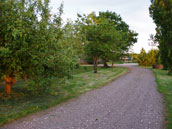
130,102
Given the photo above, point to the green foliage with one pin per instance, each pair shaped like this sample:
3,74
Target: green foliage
123,37
161,11
72,39
142,60
148,59
134,56
33,43
106,36
96,34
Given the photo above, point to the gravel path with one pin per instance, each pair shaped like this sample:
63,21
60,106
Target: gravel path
130,102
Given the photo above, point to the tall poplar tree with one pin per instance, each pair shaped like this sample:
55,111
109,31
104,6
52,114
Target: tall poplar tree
161,12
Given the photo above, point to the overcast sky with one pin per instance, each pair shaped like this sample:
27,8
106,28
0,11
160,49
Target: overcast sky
134,12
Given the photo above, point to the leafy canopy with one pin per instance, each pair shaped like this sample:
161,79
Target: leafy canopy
32,44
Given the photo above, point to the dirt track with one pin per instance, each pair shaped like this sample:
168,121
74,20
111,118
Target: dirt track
130,102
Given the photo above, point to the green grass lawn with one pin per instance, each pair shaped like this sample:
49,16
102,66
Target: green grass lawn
164,82
115,62
23,102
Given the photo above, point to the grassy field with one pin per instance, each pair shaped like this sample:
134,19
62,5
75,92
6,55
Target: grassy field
24,102
165,88
115,62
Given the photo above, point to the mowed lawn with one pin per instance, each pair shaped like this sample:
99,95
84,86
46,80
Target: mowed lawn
164,82
24,102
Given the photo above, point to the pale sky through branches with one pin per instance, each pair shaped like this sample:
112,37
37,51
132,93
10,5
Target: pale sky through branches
134,12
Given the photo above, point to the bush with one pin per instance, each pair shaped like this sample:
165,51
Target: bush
150,58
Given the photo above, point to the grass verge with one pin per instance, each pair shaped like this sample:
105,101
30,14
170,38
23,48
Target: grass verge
23,102
164,83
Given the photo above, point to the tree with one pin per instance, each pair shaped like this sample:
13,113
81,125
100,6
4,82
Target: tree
99,36
161,11
31,44
148,59
95,46
153,57
142,58
16,25
106,35
72,38
124,40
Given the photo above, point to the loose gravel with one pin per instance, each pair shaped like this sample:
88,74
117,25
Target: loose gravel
130,102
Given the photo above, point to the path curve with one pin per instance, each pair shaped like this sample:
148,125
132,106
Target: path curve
130,102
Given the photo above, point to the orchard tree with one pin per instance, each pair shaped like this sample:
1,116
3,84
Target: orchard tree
72,38
30,44
105,38
95,46
113,50
17,25
124,41
99,36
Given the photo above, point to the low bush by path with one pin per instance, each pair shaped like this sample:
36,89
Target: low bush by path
24,102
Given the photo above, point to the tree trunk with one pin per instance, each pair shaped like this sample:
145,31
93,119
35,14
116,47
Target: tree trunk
170,72
105,64
9,82
112,64
25,77
95,68
95,63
